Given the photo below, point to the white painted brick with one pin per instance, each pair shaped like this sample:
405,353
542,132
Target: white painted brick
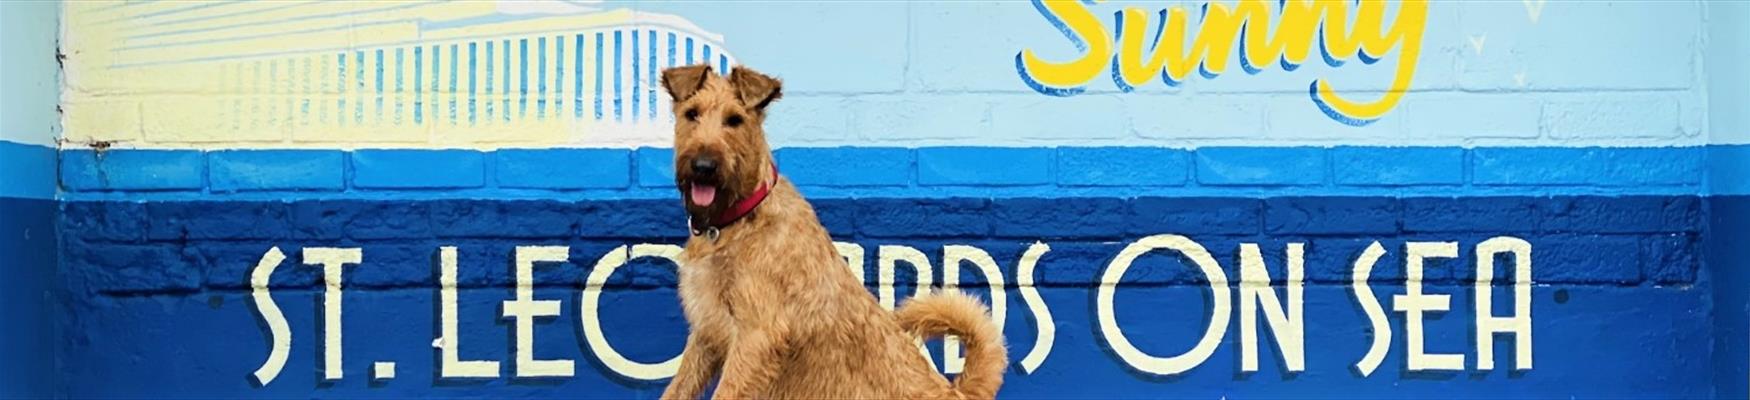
1037,116
1195,117
890,119
1624,116
1440,115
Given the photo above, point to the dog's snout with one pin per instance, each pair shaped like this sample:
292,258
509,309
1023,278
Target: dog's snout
704,166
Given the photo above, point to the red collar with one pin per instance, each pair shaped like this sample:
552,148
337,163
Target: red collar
745,206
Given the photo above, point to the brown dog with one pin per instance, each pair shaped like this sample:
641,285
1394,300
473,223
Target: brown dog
771,304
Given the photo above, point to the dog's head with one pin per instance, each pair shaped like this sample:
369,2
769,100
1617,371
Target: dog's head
721,155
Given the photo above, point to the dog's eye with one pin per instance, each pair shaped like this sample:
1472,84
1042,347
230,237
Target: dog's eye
692,114
732,121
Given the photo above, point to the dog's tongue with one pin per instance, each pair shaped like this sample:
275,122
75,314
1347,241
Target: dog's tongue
703,195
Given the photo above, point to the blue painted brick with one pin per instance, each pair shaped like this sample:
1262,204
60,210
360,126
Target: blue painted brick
405,264
257,170
504,218
633,219
1627,214
1585,260
655,167
846,166
319,219
1331,215
1122,166
369,220
103,220
1039,218
1671,258
1195,216
222,220
1535,166
142,170
921,218
1398,166
229,265
1729,169
986,166
1472,214
563,168
418,169
118,268
1332,260
839,216
1255,166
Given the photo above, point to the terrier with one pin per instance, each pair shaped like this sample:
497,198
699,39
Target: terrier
770,304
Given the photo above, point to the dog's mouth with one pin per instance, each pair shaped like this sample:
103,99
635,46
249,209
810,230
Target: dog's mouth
702,194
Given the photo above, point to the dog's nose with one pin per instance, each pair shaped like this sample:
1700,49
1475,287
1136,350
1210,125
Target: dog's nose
704,166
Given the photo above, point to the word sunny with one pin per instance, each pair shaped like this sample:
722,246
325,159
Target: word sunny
1280,302
1340,29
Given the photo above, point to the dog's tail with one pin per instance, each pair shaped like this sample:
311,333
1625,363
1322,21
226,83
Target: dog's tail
952,312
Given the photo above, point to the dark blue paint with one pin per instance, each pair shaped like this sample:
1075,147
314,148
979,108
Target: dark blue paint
1727,261
177,271
28,296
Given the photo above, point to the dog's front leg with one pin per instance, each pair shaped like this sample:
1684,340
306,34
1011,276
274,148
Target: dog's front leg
700,362
761,341
753,362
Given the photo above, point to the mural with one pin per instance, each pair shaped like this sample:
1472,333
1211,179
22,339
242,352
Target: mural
1222,32
1298,198
358,73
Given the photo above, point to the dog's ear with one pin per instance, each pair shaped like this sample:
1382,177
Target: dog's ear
757,90
683,82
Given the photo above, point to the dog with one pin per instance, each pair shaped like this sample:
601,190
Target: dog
770,304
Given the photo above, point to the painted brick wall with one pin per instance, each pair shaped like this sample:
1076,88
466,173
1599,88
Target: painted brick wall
1597,132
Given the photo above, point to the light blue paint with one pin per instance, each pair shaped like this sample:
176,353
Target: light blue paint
419,84
358,108
655,168
473,62
505,111
997,172
29,74
400,60
1728,169
418,169
1398,166
563,169
490,62
273,170
1122,166
27,170
1557,166
1726,60
133,170
637,74
1242,166
618,61
598,76
378,109
650,75
523,76
558,77
984,166
577,77
866,167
